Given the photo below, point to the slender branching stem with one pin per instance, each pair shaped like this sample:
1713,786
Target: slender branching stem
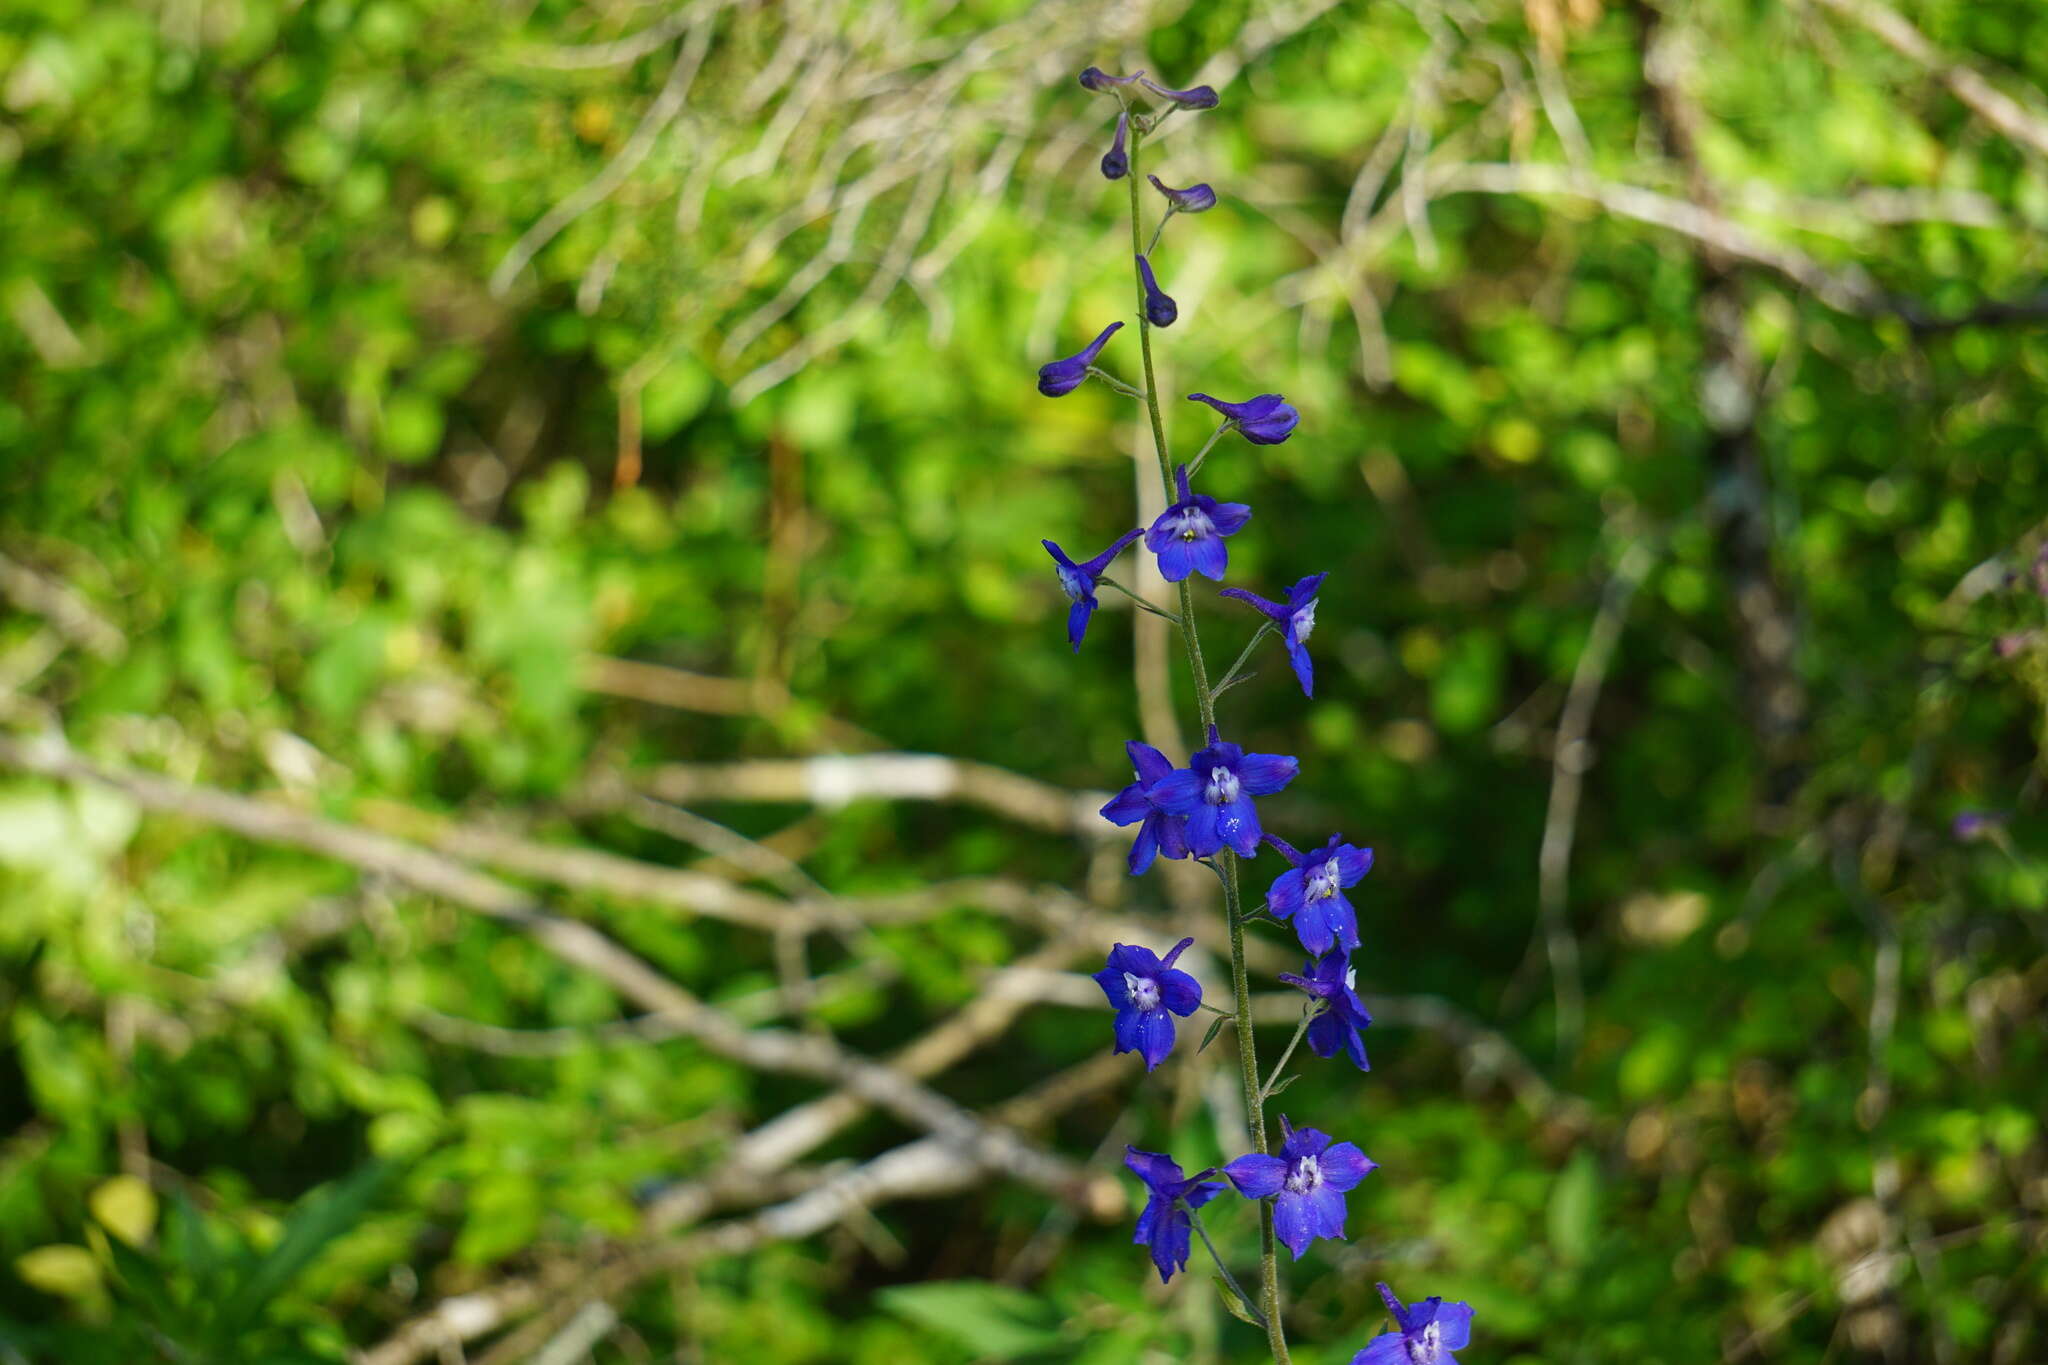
1222,1269
1265,628
1109,582
1240,981
1160,231
1113,382
1266,1091
1195,465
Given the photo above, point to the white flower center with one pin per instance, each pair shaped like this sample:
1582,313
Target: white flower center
1306,1176
1304,622
1144,992
1322,883
1075,583
1351,978
1194,524
1222,786
1428,1348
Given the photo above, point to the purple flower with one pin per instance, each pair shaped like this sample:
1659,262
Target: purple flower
1160,832
1297,621
1973,825
1197,97
1147,992
1163,1225
1215,793
1188,536
1058,378
1429,1332
1078,582
1312,891
1265,421
1100,81
1332,979
1160,310
1193,199
1307,1183
1116,163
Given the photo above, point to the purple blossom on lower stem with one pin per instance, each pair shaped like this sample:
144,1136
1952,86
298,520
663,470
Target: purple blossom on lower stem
1116,162
1215,793
1078,582
1147,991
1312,892
1198,198
1333,980
1194,97
1100,81
1058,378
1160,310
1266,420
1159,833
1188,536
1297,621
1426,1333
1163,1225
1973,825
1307,1183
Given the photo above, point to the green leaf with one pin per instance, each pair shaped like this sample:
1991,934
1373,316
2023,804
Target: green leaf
1232,1304
992,1320
1283,1083
317,1220
1575,1209
1215,1027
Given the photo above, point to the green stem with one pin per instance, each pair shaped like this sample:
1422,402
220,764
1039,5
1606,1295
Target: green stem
1112,583
1159,232
1222,1269
1113,382
1250,645
1240,981
1195,465
1266,1090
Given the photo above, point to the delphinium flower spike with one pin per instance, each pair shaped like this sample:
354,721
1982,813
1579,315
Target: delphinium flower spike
1425,1333
1163,1225
1160,310
1266,420
1191,99
1194,199
1307,1183
1160,833
1100,81
1078,582
1312,892
1296,619
1333,980
1146,991
1215,793
1116,164
1058,378
1188,536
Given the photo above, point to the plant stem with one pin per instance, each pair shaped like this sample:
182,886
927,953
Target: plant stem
1222,1269
1250,645
1158,232
1240,982
1266,1090
1113,382
1156,611
1195,465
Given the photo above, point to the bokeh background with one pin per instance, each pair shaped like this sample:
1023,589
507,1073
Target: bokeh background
486,489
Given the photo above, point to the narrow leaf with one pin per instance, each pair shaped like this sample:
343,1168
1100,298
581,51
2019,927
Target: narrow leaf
1215,1027
1233,1303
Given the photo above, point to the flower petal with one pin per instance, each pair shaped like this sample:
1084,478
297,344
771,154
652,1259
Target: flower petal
1256,1175
1293,1221
1207,556
1156,1169
1264,774
1272,609
1179,992
1304,667
1237,824
1203,838
1094,567
1344,1166
1283,898
1128,806
1229,517
1145,847
1454,1320
1147,762
1353,864
1177,793
1177,558
1326,1206
1173,835
1388,1348
1077,621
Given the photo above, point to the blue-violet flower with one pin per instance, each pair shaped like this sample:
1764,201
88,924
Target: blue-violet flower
1215,793
1193,199
1116,163
1195,97
1100,81
1147,992
1307,1183
1058,378
1078,582
1265,421
1188,536
1312,892
1162,1225
1428,1332
1160,309
1160,832
1297,621
1332,979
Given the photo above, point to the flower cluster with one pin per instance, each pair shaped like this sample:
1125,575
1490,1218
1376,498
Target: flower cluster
1207,810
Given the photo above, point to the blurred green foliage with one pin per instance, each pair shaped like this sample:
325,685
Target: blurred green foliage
350,520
